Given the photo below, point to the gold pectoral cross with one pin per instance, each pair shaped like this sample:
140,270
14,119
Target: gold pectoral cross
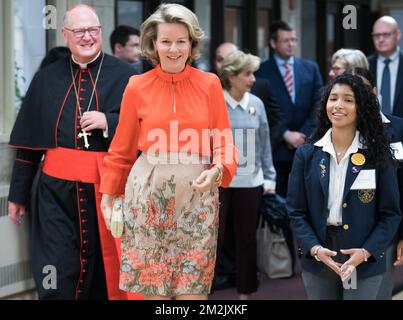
85,134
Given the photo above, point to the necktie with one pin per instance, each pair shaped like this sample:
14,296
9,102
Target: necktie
288,78
385,88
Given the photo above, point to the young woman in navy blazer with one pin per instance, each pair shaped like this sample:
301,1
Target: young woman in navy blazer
343,198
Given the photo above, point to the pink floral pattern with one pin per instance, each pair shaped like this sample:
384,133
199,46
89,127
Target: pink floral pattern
169,242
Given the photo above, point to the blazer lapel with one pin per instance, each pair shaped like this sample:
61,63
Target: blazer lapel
399,82
297,78
280,80
352,173
391,132
373,65
323,164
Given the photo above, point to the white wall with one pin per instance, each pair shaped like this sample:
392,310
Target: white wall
29,38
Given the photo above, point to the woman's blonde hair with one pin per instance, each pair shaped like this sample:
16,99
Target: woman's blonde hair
169,13
352,58
235,63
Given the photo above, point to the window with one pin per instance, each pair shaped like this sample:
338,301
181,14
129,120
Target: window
308,32
264,13
233,17
29,42
202,9
129,13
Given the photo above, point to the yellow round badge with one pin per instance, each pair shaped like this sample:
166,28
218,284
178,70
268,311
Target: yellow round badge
358,159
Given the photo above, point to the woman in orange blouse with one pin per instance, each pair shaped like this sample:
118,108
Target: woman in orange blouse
175,115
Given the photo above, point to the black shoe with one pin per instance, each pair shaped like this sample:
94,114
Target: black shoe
223,282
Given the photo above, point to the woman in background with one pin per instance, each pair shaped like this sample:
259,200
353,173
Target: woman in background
344,59
255,173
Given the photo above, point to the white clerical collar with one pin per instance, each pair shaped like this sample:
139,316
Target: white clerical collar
233,103
84,65
327,146
384,119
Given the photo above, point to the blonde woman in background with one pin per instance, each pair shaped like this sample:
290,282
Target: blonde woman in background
344,59
256,175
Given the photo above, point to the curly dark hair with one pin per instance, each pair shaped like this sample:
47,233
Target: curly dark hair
369,122
363,73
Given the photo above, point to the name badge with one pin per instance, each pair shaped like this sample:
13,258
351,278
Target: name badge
365,180
398,150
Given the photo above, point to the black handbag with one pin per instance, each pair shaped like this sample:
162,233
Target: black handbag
273,209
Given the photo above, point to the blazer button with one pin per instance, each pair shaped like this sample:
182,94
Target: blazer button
344,205
346,226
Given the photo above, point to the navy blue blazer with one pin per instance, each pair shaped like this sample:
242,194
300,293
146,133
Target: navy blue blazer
398,98
370,223
298,116
394,130
263,89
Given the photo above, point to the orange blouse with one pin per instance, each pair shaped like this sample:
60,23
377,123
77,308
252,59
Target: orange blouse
179,113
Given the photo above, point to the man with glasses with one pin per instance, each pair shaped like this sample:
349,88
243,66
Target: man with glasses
68,117
387,65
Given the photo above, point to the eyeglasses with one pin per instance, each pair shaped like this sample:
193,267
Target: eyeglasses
385,35
79,33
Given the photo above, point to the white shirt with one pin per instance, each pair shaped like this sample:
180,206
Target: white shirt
393,68
337,175
384,119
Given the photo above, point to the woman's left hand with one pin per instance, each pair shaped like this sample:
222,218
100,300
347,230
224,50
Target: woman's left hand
357,257
205,181
266,191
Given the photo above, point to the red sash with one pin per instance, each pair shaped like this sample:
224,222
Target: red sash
87,167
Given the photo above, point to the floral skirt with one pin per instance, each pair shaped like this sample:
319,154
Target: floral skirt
170,231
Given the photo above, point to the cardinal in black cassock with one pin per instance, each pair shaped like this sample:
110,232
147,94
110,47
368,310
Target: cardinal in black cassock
68,231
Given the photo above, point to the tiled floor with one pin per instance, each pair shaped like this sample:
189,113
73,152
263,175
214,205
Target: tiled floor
280,289
289,289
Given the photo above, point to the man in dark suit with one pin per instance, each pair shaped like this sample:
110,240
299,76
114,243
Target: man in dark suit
387,65
261,88
295,84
